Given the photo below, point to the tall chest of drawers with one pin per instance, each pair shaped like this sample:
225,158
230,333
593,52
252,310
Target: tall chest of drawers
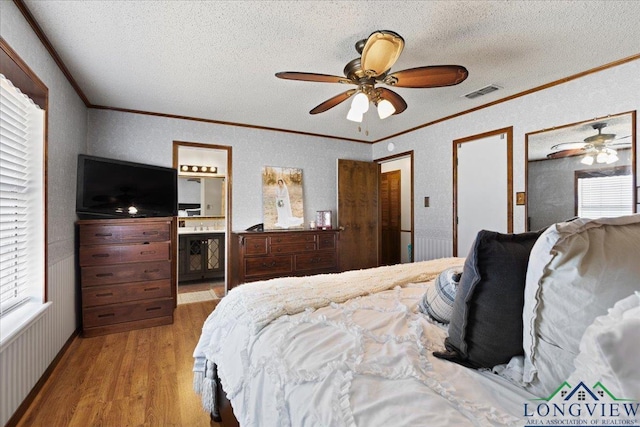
270,254
127,274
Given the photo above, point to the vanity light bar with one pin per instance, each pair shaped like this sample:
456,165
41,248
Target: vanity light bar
198,169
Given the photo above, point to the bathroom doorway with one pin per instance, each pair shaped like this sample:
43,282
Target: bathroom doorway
204,220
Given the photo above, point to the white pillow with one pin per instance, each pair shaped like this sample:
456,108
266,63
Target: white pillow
577,270
609,351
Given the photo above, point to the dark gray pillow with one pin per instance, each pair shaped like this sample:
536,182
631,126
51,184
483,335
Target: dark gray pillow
486,323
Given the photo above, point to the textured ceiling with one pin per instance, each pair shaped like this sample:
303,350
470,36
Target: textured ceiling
216,60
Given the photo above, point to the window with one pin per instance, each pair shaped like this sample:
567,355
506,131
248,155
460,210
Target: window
604,192
22,193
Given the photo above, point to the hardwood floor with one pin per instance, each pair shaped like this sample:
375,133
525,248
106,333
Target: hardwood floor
137,378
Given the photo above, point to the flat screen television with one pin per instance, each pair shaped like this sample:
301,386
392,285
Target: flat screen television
109,188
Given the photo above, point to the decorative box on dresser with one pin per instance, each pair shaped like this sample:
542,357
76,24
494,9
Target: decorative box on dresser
268,254
127,274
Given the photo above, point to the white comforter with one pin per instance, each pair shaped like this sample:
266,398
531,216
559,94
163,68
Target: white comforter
345,356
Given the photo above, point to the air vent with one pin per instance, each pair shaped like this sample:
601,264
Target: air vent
485,90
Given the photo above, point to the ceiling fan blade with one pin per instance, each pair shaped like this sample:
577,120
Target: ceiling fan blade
565,153
380,52
312,77
332,102
430,76
396,100
569,146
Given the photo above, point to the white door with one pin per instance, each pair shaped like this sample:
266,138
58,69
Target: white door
483,187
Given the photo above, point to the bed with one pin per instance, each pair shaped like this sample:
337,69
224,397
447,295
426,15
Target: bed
506,336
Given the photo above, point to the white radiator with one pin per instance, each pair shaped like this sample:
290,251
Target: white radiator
27,356
427,249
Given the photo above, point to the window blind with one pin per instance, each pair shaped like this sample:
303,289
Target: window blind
21,244
605,196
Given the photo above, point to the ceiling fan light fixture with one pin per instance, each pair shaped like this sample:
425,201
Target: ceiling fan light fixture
612,158
602,157
354,115
587,160
385,109
381,51
360,103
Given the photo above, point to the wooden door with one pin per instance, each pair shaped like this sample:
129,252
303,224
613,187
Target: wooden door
390,218
358,214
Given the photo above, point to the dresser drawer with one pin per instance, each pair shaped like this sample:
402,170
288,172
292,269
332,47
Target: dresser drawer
124,273
327,241
127,312
316,260
119,293
292,248
116,254
293,238
124,233
255,245
269,265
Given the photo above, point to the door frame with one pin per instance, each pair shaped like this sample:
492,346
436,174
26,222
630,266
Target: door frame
509,132
228,199
411,195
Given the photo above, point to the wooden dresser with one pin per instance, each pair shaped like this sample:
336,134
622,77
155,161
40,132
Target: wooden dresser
268,254
127,274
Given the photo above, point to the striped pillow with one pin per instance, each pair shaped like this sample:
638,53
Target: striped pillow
437,302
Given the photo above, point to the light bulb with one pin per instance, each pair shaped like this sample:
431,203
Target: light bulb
601,157
587,160
354,116
612,158
360,103
385,109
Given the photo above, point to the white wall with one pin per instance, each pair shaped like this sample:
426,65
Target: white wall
24,360
611,91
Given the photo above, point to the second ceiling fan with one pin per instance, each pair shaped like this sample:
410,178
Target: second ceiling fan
378,54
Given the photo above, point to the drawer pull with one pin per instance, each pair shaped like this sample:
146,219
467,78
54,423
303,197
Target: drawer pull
154,308
104,274
100,255
151,289
147,252
279,250
106,315
155,270
103,234
106,294
271,264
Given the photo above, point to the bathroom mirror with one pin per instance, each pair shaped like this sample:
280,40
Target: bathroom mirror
201,196
582,169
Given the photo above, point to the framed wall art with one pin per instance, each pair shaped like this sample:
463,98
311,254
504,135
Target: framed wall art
282,198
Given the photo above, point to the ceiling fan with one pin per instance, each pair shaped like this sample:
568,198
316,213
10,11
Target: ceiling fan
378,53
600,148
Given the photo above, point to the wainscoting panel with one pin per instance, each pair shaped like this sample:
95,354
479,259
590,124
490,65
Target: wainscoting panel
27,357
427,249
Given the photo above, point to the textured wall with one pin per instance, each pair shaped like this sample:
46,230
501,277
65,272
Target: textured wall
23,361
611,91
149,139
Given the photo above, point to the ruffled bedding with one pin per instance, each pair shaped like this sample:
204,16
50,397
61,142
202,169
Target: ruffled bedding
348,349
